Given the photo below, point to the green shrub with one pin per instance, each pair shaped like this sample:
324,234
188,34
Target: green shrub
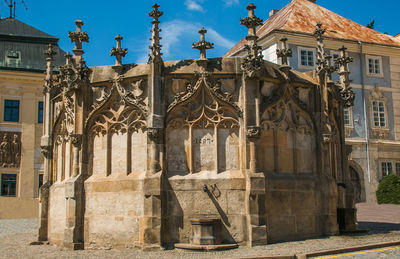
389,190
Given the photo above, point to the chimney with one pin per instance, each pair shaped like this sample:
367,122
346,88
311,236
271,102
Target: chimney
272,12
313,1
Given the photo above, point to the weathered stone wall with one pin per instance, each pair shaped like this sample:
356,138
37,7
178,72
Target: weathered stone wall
57,213
224,199
113,207
294,209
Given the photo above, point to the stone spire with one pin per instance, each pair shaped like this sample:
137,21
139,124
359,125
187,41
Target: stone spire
345,91
50,53
78,37
203,45
324,66
284,54
118,52
155,47
319,32
253,60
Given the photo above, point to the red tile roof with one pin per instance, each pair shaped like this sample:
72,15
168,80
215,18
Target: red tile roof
302,16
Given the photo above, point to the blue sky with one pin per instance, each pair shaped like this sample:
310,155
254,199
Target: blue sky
180,23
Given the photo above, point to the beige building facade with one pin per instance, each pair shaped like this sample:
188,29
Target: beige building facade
21,111
139,155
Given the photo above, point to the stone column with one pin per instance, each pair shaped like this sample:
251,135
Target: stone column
73,234
255,193
46,147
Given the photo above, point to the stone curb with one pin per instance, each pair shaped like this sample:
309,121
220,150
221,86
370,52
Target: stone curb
347,249
325,252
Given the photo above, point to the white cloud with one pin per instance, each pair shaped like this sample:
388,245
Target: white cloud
176,31
219,40
194,5
231,2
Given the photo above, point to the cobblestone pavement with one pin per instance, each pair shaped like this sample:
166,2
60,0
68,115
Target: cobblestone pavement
15,236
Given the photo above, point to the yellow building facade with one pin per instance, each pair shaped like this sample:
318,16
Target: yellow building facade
22,64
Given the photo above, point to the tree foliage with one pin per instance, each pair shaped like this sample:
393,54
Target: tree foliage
389,190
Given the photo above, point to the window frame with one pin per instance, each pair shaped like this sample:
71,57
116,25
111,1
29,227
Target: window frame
350,109
40,119
379,58
16,184
5,110
8,58
313,50
387,167
379,101
397,168
332,53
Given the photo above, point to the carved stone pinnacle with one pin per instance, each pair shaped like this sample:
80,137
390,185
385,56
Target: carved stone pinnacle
78,37
319,32
155,13
50,53
203,45
118,52
251,22
284,53
68,58
155,47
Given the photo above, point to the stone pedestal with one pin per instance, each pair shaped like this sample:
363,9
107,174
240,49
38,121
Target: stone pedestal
205,231
205,236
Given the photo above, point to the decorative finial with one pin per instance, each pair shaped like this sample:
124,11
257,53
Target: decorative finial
253,60
78,37
50,53
202,45
345,91
49,69
251,22
319,32
118,52
68,59
284,53
155,47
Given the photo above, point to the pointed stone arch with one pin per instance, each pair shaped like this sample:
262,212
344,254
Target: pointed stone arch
287,141
117,141
202,131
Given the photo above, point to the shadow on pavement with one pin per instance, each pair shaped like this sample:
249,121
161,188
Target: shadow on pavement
378,227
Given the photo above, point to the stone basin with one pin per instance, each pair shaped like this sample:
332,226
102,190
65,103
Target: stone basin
205,235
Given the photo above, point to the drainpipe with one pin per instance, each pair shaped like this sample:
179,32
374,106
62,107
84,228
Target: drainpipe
365,110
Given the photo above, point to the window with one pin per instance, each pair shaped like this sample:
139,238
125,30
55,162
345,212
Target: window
386,168
306,59
11,110
347,117
335,55
8,185
374,66
398,169
40,112
13,58
40,180
378,110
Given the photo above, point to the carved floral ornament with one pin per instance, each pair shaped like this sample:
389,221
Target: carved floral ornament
127,95
286,115
214,91
203,106
117,116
